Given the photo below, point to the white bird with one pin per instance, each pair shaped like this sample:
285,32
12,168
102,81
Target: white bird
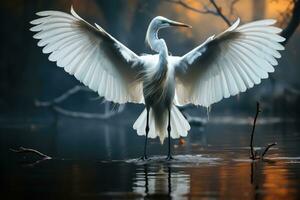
222,66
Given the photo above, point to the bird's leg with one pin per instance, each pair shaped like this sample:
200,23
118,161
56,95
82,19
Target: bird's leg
147,131
169,157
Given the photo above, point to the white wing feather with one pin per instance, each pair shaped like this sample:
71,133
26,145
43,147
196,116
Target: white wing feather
227,64
90,54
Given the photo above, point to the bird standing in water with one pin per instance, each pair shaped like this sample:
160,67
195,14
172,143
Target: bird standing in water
222,66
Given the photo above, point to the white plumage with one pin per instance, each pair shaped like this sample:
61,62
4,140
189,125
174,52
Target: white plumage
90,54
223,66
229,63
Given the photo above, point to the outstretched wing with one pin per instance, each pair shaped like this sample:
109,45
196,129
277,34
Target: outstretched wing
90,54
227,64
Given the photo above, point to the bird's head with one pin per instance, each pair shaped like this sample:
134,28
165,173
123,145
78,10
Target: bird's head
158,23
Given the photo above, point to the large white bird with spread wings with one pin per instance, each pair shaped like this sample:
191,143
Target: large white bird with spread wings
222,66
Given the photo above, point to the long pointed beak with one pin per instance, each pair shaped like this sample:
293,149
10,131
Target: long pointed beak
174,23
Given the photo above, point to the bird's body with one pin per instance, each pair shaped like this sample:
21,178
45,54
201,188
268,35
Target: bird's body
159,86
222,66
159,91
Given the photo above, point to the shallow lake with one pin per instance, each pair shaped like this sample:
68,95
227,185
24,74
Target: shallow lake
99,160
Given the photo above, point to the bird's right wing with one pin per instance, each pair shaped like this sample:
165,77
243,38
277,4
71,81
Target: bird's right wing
90,54
227,64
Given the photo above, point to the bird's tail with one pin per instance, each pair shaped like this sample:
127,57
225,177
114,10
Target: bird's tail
179,125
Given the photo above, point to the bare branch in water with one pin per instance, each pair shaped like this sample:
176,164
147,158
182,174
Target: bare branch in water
62,97
267,148
108,113
27,150
22,150
253,156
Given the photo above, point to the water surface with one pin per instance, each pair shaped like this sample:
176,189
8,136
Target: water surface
99,160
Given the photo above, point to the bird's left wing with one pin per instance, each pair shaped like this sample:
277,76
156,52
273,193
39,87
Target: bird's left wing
227,64
90,54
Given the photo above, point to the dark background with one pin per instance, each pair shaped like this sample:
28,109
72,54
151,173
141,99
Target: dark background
212,162
26,75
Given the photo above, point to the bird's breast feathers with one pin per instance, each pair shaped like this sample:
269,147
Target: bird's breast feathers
158,81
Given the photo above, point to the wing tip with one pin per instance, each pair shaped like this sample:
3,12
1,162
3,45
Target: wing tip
74,13
42,13
234,25
238,20
268,22
272,21
99,27
33,29
32,22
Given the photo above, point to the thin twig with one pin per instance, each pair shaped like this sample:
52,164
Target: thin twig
287,32
254,155
253,130
220,13
27,150
267,148
62,97
108,113
105,115
206,10
43,157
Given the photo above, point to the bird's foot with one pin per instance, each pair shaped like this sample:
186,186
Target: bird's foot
169,157
144,158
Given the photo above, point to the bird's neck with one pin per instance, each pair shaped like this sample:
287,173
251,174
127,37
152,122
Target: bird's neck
163,53
157,44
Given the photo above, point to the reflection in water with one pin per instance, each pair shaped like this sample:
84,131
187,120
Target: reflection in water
255,176
212,164
279,178
107,141
161,180
247,179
